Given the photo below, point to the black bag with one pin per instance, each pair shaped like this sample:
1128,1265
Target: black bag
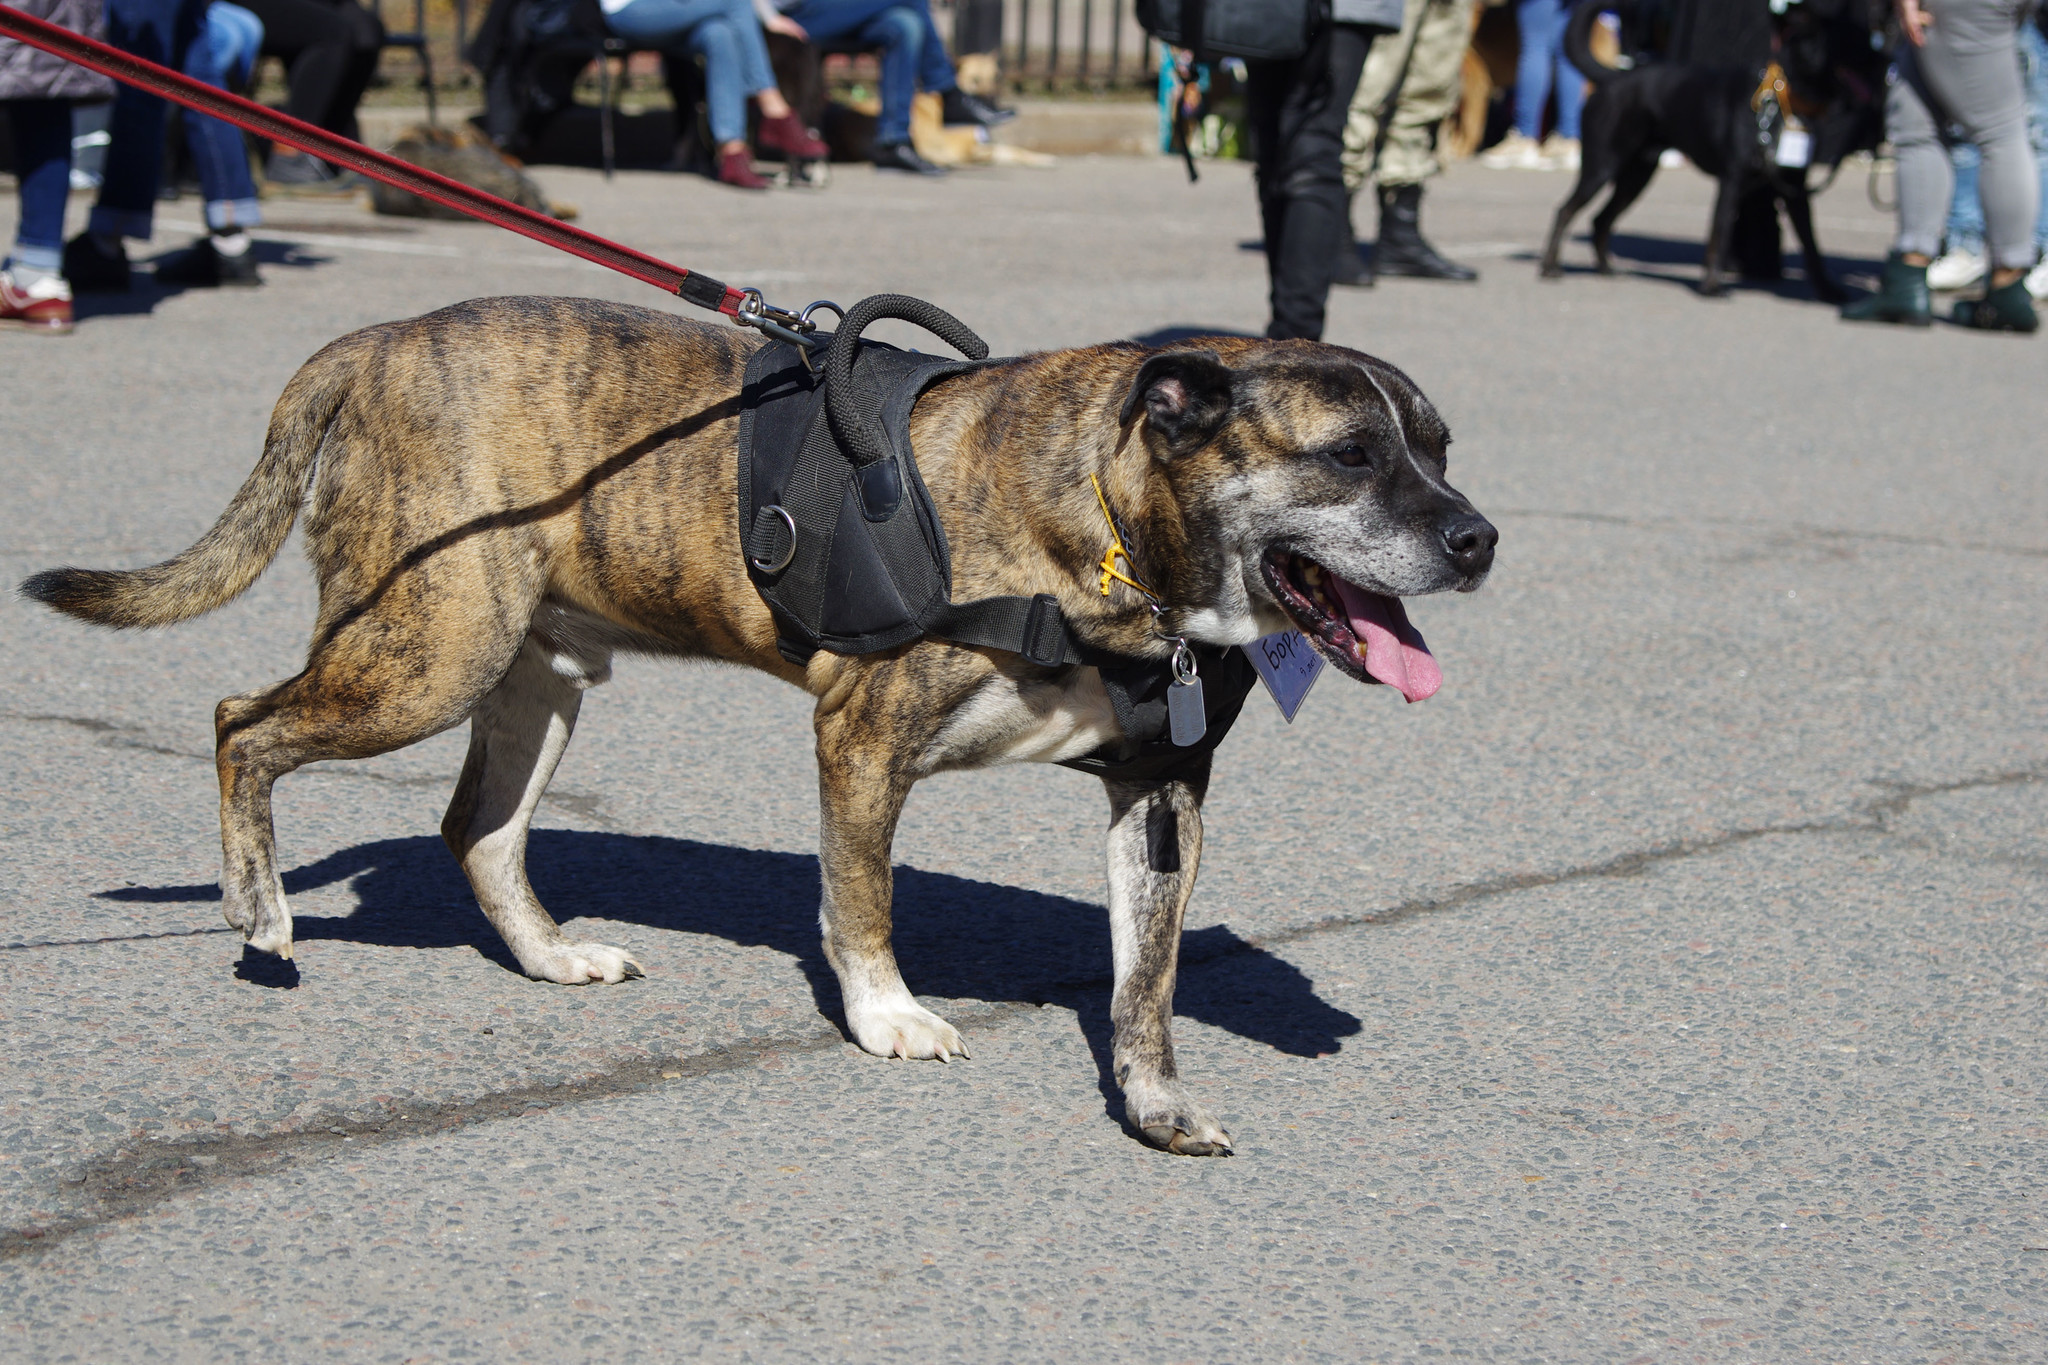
1267,30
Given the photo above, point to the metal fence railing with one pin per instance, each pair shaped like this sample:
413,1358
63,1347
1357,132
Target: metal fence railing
1075,43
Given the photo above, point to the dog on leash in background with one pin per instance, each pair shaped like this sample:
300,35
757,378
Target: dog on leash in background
499,496
1826,74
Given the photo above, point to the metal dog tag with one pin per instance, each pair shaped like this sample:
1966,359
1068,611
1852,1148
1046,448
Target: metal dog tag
1187,719
1795,148
1288,665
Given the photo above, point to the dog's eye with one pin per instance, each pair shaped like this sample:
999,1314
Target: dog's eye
1351,456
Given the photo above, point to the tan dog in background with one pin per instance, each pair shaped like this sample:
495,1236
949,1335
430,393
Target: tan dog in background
500,495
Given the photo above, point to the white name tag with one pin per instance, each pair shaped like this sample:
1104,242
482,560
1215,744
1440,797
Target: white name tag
1795,148
1288,664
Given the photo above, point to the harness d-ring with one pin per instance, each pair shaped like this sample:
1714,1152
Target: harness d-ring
780,564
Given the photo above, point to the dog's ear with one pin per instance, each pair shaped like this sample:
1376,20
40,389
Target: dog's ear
1183,395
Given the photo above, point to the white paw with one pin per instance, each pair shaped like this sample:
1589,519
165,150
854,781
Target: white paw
903,1028
577,964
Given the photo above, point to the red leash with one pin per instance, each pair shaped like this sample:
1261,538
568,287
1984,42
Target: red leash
742,305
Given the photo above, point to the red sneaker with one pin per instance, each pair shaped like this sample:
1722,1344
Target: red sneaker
44,306
736,168
788,136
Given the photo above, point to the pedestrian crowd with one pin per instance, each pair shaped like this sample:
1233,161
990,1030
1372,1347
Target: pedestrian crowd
1361,104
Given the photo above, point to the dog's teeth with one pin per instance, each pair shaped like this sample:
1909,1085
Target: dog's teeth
1312,571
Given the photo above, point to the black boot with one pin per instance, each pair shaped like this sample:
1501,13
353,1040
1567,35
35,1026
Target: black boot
1401,249
1901,297
2008,308
1352,267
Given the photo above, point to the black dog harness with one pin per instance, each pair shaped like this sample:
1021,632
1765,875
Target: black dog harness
843,543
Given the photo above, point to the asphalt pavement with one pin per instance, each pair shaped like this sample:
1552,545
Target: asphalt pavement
1670,987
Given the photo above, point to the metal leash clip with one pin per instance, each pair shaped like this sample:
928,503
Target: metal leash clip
797,329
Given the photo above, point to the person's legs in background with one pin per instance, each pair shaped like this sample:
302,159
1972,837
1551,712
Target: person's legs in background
2034,65
234,36
1961,262
1561,148
727,35
223,256
1541,26
1297,110
159,31
330,52
1408,159
33,291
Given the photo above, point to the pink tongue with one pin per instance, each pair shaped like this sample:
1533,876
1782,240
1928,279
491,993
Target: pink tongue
1394,652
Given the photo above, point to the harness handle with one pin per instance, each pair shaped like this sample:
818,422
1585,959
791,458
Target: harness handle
856,423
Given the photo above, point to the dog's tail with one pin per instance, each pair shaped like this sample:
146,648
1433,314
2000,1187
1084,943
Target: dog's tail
1578,42
225,561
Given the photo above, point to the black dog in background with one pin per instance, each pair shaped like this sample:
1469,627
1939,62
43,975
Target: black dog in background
1730,122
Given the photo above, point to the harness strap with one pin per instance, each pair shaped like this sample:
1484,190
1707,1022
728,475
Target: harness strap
1032,627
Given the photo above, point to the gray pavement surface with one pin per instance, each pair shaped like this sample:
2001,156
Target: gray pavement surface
1670,987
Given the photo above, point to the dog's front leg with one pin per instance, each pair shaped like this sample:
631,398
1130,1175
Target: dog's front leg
861,789
1721,235
1155,843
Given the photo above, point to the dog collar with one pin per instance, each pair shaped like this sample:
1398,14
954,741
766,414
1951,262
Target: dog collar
1773,86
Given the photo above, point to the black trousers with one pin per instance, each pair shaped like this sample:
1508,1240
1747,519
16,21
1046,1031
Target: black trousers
1297,111
330,50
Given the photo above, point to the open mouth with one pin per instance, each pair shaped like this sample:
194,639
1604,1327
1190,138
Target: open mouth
1364,633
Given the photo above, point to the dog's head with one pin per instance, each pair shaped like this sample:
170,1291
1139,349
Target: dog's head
1834,59
1310,479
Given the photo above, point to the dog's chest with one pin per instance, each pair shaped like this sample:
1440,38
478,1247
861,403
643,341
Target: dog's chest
1010,720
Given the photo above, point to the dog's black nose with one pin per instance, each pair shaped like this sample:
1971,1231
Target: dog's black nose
1470,540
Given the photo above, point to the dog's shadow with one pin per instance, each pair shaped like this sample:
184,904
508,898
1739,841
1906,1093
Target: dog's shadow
1678,260
955,938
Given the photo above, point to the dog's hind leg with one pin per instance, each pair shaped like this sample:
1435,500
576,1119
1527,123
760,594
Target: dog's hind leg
1628,187
353,702
1591,178
1155,843
517,735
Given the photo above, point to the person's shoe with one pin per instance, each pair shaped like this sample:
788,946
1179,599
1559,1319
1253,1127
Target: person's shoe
957,107
736,168
1351,267
204,266
1901,297
1560,152
788,136
2008,308
92,269
1401,249
1956,269
901,156
303,173
44,306
2037,280
1515,153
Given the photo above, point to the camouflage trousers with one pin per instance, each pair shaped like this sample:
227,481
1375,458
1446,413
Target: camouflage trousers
1440,31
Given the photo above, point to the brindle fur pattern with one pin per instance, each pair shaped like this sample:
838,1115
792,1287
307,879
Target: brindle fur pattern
500,496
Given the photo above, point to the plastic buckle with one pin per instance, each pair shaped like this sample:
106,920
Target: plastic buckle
1044,633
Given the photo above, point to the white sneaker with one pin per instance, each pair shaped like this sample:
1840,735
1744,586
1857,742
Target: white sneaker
1515,153
2037,280
1561,152
1955,270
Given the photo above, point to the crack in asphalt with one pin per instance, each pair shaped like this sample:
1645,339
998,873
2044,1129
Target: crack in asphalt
130,1183
1782,528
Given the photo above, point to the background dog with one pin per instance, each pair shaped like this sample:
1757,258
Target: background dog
500,495
1834,81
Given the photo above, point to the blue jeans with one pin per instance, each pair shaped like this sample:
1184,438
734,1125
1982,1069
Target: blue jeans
724,33
234,39
1966,212
171,33
1541,23
912,54
42,163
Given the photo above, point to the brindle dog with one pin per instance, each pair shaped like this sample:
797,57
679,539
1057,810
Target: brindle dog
500,495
